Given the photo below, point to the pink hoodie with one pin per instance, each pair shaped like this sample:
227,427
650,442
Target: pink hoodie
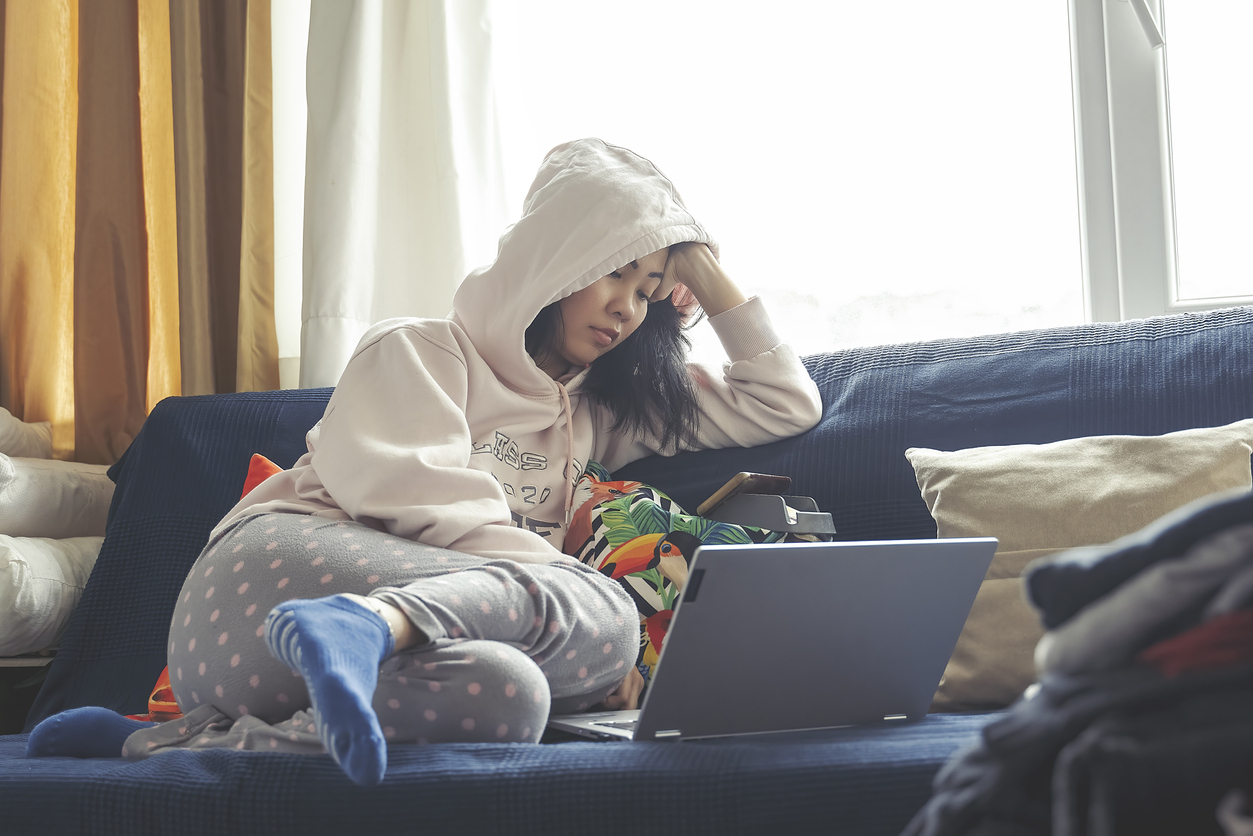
444,431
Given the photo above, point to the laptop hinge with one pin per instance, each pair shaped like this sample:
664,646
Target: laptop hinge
667,734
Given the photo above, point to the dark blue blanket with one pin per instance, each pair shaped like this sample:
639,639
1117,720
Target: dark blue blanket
850,781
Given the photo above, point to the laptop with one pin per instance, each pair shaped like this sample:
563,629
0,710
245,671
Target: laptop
797,636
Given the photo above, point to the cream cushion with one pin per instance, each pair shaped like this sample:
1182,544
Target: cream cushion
41,581
1037,499
30,441
49,498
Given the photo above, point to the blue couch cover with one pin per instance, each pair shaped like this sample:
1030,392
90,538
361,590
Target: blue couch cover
185,469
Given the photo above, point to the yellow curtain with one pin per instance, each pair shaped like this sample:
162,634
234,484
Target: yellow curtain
225,187
157,121
256,362
37,164
124,272
95,179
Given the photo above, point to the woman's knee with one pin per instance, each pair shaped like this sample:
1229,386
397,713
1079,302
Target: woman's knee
469,691
618,621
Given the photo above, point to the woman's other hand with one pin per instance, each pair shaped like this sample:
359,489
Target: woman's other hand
694,266
627,694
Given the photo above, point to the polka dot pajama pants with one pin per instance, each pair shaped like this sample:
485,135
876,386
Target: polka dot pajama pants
508,641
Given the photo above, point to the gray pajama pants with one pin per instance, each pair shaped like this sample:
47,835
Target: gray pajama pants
508,641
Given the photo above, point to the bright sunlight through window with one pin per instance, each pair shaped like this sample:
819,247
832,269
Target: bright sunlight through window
1210,120
877,172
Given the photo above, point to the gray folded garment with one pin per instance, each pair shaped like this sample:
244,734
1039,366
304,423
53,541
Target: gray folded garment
1112,629
207,728
1236,594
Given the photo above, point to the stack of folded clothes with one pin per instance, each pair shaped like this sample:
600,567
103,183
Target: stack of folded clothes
1142,719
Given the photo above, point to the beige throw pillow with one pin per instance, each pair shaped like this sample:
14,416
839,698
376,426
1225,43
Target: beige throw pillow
1041,498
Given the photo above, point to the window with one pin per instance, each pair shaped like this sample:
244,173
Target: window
878,172
1210,86
1159,237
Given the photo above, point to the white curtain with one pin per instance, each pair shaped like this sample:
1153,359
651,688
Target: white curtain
403,183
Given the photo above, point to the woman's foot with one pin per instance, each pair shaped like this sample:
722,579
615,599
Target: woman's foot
90,732
336,644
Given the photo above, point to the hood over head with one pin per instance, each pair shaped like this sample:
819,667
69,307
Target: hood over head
592,209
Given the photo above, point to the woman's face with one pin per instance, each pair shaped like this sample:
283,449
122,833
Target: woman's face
603,314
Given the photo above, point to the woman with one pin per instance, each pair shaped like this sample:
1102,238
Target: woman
434,496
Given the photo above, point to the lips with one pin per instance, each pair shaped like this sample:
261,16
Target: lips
604,336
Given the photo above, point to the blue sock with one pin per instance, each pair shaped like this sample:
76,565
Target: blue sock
90,732
337,645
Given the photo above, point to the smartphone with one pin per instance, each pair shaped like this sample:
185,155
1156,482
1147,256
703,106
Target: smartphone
745,483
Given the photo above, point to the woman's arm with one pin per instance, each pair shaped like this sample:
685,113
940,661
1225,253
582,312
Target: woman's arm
763,394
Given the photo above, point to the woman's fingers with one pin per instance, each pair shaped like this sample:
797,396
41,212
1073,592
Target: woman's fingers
677,267
664,289
627,694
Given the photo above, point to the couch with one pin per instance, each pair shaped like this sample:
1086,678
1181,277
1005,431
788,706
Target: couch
186,466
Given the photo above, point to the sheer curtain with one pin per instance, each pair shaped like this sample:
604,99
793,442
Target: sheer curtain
403,189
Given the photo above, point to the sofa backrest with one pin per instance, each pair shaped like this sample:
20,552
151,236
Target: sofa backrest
1143,377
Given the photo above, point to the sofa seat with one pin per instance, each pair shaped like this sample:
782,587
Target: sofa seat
865,781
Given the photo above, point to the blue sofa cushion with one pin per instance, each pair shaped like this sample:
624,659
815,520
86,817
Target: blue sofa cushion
849,781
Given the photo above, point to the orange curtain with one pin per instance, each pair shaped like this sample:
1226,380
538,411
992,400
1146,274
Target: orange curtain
99,186
37,214
225,194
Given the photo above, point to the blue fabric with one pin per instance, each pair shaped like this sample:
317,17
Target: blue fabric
181,474
1068,582
1143,377
852,781
1045,755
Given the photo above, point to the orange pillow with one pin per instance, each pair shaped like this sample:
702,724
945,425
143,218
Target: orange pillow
259,469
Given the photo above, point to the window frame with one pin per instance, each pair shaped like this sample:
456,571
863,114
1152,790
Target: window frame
1123,159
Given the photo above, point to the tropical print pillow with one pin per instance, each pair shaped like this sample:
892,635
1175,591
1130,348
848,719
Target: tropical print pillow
640,537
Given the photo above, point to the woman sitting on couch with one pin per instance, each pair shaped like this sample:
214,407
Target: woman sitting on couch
405,581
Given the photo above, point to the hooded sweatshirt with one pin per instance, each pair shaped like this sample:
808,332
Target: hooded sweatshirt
446,432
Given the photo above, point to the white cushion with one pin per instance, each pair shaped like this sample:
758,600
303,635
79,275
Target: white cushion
49,498
30,441
41,581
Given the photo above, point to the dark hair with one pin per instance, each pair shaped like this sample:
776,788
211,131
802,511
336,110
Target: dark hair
643,381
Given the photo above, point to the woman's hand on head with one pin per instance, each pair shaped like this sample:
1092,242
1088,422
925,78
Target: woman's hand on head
694,266
627,694
681,263
667,282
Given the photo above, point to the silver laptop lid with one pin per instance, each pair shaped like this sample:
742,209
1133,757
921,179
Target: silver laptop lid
811,635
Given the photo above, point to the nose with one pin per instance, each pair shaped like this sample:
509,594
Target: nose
622,306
